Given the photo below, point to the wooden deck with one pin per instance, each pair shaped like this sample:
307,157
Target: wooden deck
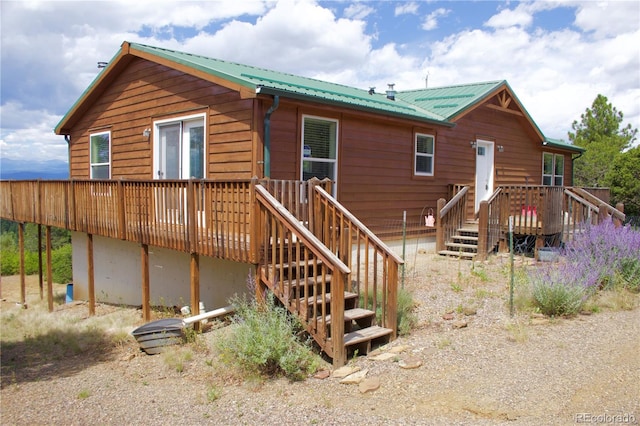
323,264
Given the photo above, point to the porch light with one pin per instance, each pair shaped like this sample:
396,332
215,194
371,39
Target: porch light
500,148
473,144
146,133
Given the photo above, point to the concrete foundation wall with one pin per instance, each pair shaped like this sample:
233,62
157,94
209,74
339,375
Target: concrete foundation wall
118,274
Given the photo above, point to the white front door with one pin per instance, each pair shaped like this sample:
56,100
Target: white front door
484,171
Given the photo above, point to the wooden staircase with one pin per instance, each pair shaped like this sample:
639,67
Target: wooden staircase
305,289
463,243
327,269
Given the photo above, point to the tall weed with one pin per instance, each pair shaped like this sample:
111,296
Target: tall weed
263,341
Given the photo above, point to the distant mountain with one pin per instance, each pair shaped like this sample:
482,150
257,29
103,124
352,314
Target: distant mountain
24,169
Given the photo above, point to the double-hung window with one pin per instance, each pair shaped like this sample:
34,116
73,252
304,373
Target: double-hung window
424,154
319,148
100,155
552,169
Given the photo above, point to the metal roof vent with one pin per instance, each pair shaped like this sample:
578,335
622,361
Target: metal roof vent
372,90
391,94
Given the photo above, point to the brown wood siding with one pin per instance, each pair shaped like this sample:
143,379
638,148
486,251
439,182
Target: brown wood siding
376,155
144,92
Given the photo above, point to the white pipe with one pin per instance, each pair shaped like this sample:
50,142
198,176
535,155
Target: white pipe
211,314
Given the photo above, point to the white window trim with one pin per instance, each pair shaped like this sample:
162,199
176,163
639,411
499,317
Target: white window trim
91,165
421,154
321,160
185,156
553,174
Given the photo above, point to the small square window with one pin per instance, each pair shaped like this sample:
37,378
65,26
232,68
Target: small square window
424,155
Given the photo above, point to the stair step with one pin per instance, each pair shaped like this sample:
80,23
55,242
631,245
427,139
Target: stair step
366,335
464,238
463,246
457,253
327,297
353,315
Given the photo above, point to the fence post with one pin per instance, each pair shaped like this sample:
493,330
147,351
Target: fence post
483,228
440,225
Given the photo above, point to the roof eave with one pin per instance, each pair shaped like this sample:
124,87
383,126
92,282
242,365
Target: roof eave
265,90
64,125
563,146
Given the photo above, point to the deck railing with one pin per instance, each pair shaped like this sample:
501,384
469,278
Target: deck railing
490,223
208,217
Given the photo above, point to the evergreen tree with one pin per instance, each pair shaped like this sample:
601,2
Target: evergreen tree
599,132
624,181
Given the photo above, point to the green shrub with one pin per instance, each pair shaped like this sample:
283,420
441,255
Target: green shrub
263,342
9,262
557,298
630,274
61,264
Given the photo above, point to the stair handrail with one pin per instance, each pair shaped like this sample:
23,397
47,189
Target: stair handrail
348,236
306,236
586,195
361,226
444,227
339,272
455,200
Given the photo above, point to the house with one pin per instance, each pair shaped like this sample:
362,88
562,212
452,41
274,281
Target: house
169,153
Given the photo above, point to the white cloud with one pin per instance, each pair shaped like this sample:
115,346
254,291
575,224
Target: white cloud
609,18
358,11
50,50
430,22
28,134
410,8
509,18
555,74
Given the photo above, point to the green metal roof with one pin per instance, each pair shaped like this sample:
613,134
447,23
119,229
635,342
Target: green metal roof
274,82
433,105
559,143
449,101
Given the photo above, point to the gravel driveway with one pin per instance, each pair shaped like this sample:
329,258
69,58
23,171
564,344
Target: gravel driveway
474,365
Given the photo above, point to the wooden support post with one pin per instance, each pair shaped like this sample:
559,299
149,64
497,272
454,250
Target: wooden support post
144,262
603,212
49,269
40,280
23,283
195,287
616,221
483,230
254,224
392,299
90,276
337,319
439,225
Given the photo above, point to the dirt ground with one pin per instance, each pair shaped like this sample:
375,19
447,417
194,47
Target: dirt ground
473,365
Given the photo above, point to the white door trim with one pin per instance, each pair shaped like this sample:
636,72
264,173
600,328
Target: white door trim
484,171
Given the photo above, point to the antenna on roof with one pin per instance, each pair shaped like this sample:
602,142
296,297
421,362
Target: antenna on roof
426,81
102,64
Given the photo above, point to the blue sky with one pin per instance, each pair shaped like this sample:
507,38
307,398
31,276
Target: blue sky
556,55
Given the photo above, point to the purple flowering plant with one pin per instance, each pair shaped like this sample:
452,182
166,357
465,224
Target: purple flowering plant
600,258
